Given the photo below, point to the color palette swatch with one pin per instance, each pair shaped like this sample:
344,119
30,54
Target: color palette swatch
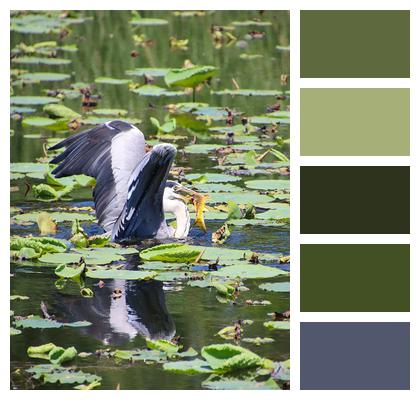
355,199
354,355
355,277
355,44
355,122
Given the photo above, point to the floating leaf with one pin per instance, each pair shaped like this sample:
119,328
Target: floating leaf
61,111
56,216
251,23
155,72
65,271
280,325
119,274
40,60
148,22
248,92
258,341
112,81
189,77
173,252
114,112
268,184
239,198
32,100
221,383
228,358
152,90
36,322
276,286
50,373
211,177
73,258
248,271
195,366
163,345
44,76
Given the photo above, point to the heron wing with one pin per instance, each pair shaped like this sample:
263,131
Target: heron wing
143,216
109,153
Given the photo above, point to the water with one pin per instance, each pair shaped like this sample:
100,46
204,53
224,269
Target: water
105,44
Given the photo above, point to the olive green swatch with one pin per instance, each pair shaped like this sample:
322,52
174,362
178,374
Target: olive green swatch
355,44
355,122
355,277
355,199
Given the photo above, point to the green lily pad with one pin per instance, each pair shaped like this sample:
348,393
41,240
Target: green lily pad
173,252
152,90
50,373
155,72
36,322
215,187
120,274
239,198
276,286
32,100
248,271
73,258
38,121
277,325
114,112
251,23
163,345
111,81
268,184
258,341
44,76
140,355
61,111
98,120
248,92
65,271
189,77
195,366
56,216
276,214
225,358
201,148
148,22
221,383
40,60
14,331
209,177
21,110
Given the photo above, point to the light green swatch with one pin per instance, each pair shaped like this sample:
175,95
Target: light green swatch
355,122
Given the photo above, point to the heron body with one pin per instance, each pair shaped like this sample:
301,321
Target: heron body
132,191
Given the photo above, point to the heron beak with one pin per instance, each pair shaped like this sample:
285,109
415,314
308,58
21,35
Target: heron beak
199,201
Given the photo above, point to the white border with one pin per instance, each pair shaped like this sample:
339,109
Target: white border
294,6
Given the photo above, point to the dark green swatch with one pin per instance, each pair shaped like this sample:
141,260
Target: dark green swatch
355,44
355,122
355,277
355,200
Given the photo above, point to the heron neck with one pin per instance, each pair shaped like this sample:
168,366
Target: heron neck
182,216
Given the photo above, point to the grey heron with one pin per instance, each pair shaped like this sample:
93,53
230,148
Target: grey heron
132,190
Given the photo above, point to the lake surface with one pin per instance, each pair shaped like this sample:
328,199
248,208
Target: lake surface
153,308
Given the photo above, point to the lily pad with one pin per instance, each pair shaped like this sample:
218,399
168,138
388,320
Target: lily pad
211,177
251,23
276,214
73,258
36,322
32,100
276,286
38,121
50,373
248,92
114,112
239,198
195,366
173,252
277,325
61,111
189,77
221,383
152,90
120,274
148,22
216,187
268,184
111,81
44,76
56,216
155,72
228,358
248,271
40,60
201,148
